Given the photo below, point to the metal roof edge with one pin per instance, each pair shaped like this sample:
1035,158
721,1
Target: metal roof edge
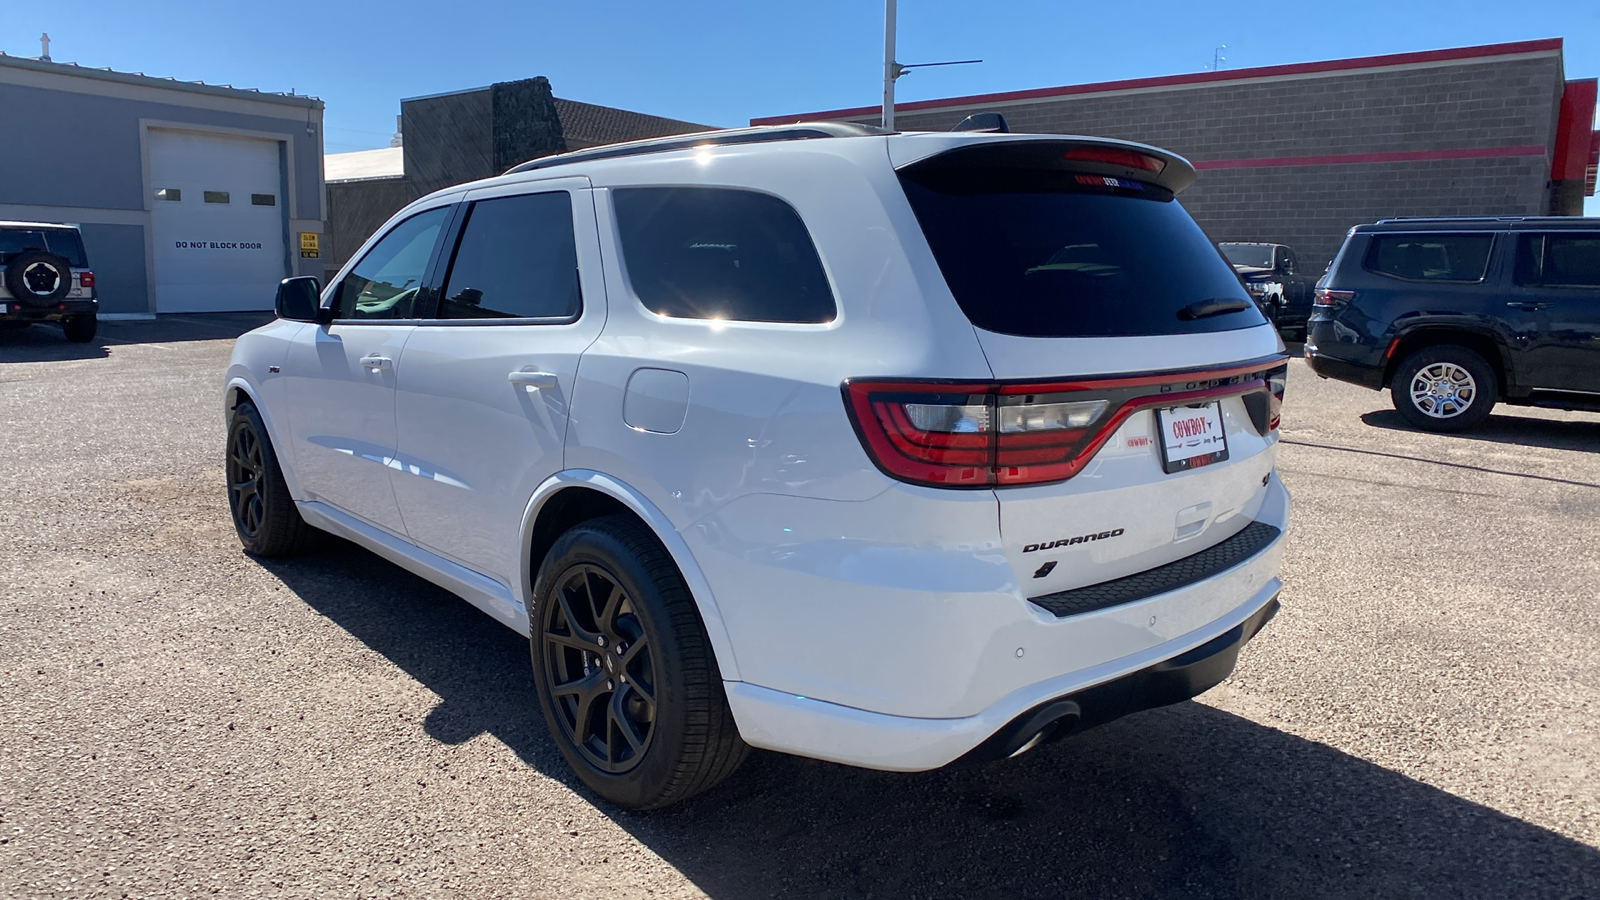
138,78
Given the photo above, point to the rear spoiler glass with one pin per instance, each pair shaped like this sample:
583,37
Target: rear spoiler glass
1111,159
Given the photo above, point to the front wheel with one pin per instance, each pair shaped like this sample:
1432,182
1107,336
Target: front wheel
624,672
1444,388
264,514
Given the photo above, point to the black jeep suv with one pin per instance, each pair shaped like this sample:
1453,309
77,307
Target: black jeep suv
1454,315
1272,275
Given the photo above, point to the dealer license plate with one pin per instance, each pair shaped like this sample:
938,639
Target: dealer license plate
1191,437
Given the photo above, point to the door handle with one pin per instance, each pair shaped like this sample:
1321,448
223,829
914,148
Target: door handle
1528,304
533,380
377,363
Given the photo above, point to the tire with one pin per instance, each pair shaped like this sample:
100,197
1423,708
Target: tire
625,676
264,514
1444,388
38,278
80,329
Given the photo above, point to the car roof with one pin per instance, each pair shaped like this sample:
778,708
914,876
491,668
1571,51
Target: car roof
1482,223
1250,244
31,226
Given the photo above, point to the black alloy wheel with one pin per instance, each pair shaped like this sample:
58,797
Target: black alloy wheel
246,469
264,514
600,670
623,671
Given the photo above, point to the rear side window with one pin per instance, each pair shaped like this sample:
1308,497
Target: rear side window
1053,254
517,259
66,244
1559,260
1430,257
721,253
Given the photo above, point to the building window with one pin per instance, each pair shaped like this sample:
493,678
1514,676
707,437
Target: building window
263,200
172,194
216,196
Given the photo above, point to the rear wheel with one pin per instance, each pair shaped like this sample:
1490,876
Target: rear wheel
264,514
80,329
1444,388
625,675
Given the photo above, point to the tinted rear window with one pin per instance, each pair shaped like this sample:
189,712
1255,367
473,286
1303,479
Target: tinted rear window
66,244
517,259
1430,257
1045,254
720,253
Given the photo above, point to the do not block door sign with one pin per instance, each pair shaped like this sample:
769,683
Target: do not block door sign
308,245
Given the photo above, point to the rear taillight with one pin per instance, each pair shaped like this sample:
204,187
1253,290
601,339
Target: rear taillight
975,434
86,279
1326,299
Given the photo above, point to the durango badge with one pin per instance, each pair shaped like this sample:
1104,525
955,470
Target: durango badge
1067,542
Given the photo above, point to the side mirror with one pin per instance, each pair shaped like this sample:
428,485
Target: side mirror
299,299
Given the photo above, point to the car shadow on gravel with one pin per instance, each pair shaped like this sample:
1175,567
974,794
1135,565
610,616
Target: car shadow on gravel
1526,431
43,342
1186,801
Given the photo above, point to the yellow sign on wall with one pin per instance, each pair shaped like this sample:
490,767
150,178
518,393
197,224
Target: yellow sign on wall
308,245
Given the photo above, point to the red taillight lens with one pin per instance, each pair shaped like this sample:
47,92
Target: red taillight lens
987,435
1323,298
86,279
1116,156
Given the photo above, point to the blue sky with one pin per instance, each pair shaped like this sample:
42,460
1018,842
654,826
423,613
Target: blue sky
721,62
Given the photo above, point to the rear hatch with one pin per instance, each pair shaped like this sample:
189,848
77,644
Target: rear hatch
1136,385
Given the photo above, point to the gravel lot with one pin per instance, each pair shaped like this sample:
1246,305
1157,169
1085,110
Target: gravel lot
177,719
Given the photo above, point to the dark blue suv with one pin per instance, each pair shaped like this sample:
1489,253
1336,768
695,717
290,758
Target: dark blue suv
1455,315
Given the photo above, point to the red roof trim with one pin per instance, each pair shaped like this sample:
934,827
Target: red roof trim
1573,124
1332,65
1345,159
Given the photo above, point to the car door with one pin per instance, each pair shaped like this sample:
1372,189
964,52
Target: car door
482,402
340,377
1556,282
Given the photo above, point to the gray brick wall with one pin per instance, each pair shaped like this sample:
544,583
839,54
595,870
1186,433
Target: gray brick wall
1460,105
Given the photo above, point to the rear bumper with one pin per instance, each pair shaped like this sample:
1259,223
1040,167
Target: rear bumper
55,312
1364,374
1167,674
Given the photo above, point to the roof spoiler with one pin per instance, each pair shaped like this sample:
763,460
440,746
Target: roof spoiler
1081,155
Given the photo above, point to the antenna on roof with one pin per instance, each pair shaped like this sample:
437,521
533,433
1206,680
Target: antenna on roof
893,70
1217,59
44,47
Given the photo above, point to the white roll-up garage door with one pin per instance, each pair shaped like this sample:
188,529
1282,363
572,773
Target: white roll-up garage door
219,220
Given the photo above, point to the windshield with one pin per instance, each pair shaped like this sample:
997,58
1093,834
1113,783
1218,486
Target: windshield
1052,254
1258,256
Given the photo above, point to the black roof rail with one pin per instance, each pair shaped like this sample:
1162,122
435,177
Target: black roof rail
1477,219
760,134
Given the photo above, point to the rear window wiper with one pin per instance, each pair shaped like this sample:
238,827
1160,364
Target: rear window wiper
1216,306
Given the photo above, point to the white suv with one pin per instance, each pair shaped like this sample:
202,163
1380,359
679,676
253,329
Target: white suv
886,449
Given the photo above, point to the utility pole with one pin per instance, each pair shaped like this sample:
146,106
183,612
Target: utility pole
891,69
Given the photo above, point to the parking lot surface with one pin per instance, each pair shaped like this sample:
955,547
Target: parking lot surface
178,719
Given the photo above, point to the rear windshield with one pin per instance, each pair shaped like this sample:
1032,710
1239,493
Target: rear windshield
1052,254
66,244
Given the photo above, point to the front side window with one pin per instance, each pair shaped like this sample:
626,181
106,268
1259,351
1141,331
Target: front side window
384,284
1430,257
517,258
720,253
1559,260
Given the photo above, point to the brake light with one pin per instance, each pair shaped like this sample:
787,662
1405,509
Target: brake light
1116,156
1323,298
977,434
86,279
